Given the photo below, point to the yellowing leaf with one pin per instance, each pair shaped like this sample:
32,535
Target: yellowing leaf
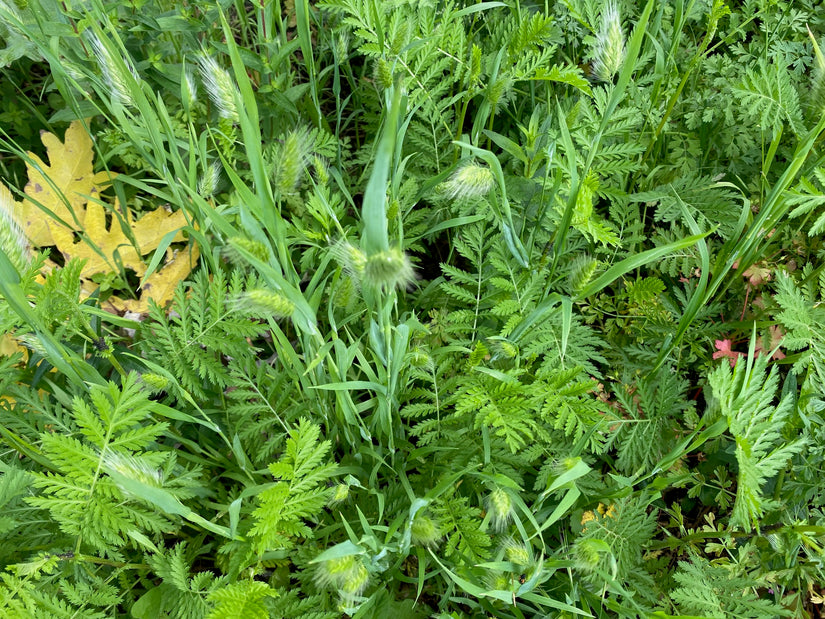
99,245
153,226
108,242
72,179
71,190
9,346
160,285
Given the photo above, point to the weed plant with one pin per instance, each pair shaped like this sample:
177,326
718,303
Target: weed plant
498,309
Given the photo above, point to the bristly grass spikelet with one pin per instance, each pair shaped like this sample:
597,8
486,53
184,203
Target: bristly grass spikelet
132,468
817,96
155,383
425,531
237,244
388,270
113,73
13,241
261,302
189,89
517,552
346,574
470,181
609,52
292,160
219,86
500,509
209,182
351,258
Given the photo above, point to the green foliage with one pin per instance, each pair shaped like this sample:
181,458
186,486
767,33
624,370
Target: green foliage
713,591
80,492
206,327
745,396
284,506
501,310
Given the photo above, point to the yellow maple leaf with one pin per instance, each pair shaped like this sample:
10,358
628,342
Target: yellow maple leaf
99,245
62,186
9,346
160,285
71,190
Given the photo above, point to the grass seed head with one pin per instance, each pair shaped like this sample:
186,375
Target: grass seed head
469,181
517,553
237,243
13,241
210,181
425,531
500,508
260,301
219,86
189,89
346,574
132,468
340,493
609,53
388,269
292,160
351,258
119,78
155,382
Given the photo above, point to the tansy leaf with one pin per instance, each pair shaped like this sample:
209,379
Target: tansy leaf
62,186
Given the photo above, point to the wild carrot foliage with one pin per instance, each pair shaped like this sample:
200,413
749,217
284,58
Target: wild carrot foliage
412,309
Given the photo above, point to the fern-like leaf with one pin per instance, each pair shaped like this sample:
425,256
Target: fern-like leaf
746,398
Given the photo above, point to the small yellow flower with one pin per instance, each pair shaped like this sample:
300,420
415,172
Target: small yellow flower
611,511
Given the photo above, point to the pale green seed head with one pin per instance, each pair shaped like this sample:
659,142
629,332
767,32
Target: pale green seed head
419,358
210,181
321,170
13,241
498,581
609,52
517,553
132,468
261,301
588,554
817,96
500,509
339,494
351,258
425,531
189,89
356,582
118,78
155,382
256,248
346,574
468,182
388,270
342,45
383,74
292,160
332,573
219,86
